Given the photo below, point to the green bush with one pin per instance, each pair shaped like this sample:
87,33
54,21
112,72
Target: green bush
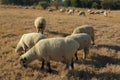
95,5
75,3
43,4
67,3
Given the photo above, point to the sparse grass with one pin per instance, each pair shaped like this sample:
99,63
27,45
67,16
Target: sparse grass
103,60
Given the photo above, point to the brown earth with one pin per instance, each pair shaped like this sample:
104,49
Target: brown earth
102,63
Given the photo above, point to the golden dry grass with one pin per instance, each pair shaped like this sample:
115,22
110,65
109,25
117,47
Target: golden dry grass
103,61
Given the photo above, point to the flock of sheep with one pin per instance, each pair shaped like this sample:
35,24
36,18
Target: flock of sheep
84,13
38,46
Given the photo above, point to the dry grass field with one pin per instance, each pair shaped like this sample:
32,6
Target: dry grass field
102,63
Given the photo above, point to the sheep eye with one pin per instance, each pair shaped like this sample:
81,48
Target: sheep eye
25,59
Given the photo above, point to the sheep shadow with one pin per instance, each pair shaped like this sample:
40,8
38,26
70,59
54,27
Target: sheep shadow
78,75
43,70
114,47
85,75
99,61
58,33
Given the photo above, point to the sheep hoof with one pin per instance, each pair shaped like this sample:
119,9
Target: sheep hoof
42,68
25,66
49,71
76,59
93,43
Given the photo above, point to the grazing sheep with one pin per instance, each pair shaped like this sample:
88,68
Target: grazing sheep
89,10
105,13
40,24
102,11
62,10
85,29
56,49
84,41
50,10
97,12
81,13
71,11
92,12
28,40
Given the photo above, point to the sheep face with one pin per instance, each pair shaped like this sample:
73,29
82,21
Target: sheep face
23,62
19,50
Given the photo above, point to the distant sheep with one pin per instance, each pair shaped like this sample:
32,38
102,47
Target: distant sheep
40,24
105,13
71,11
81,13
28,40
50,10
62,10
57,49
84,41
85,29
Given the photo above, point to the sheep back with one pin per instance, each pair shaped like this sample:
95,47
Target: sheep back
83,39
30,39
56,48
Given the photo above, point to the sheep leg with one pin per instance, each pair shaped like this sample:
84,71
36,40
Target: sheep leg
76,56
93,40
43,62
67,65
24,47
72,64
49,67
86,50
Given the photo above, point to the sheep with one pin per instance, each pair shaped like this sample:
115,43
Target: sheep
62,10
102,11
71,11
105,13
84,41
40,24
56,49
85,29
90,12
50,10
28,40
81,13
97,12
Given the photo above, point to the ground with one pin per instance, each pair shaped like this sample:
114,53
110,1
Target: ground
103,60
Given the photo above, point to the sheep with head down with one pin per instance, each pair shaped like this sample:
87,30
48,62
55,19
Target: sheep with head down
40,24
56,49
28,40
86,29
84,41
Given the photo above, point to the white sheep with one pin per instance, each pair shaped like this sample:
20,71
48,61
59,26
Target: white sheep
84,41
56,49
81,13
71,11
40,24
105,13
28,40
86,29
62,10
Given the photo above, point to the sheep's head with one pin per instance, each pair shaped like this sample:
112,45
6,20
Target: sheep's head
19,50
23,62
